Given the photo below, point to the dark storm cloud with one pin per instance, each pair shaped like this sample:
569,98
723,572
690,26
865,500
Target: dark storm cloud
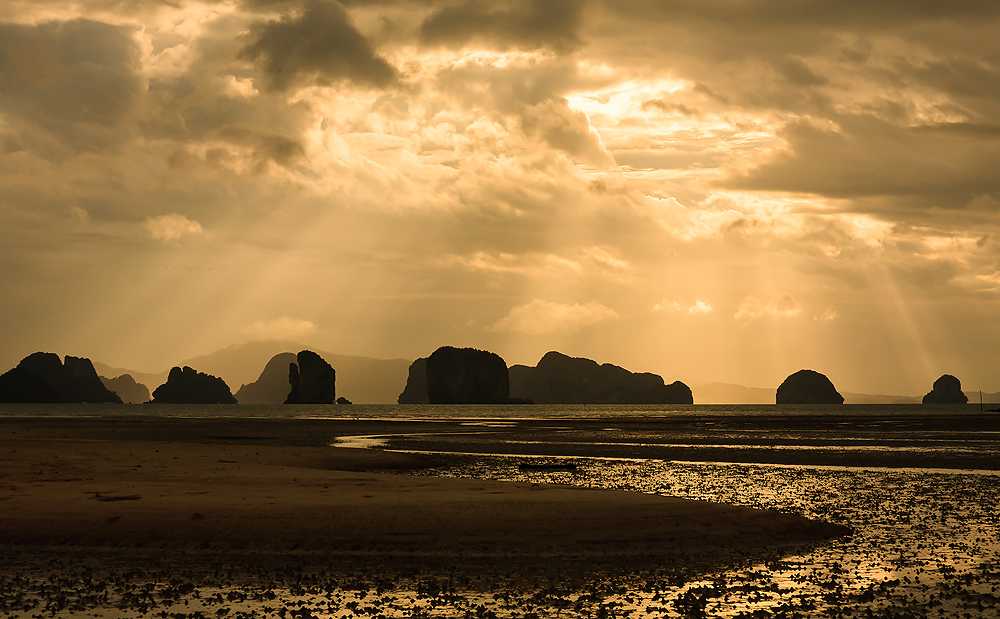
721,42
319,46
813,13
867,156
268,5
797,72
266,147
522,24
73,83
198,106
198,111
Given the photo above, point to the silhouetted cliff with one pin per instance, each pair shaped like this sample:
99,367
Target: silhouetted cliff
466,376
42,377
188,386
808,387
312,380
415,391
946,390
127,389
561,379
271,387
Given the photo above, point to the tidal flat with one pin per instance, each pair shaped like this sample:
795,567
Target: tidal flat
337,518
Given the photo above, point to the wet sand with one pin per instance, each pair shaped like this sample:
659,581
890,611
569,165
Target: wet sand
212,516
202,491
904,437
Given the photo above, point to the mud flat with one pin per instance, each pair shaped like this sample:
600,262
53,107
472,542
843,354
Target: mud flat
224,502
84,484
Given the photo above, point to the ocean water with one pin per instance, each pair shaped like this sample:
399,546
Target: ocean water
432,411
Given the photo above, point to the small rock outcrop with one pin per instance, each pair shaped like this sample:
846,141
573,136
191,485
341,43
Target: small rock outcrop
271,387
189,386
561,379
415,391
312,380
808,387
467,376
127,389
946,390
42,377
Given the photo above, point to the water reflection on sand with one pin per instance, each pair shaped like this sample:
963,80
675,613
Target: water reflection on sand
921,493
925,542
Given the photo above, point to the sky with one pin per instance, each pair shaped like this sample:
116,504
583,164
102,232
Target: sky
714,190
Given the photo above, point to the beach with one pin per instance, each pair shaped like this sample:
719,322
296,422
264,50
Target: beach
226,487
658,515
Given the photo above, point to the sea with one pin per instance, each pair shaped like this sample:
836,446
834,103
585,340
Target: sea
506,411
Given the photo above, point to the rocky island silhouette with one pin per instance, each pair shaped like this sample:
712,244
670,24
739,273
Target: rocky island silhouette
561,379
808,387
312,380
946,390
43,377
189,386
415,390
467,376
458,376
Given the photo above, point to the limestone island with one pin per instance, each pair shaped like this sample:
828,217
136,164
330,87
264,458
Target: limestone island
189,386
43,377
808,387
561,379
946,390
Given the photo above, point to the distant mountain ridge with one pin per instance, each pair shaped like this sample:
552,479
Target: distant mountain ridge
151,380
272,386
127,389
730,393
365,380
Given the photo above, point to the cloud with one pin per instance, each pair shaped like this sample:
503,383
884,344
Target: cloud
172,227
76,82
827,315
525,24
319,46
530,88
594,260
539,317
280,328
568,130
79,214
508,263
863,155
698,308
668,306
606,259
753,308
